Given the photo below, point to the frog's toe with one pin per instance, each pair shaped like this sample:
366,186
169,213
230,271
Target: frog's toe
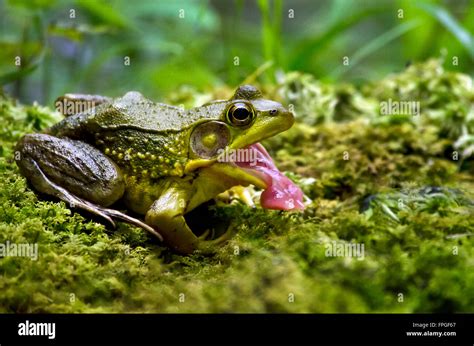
244,195
238,193
211,246
204,236
112,213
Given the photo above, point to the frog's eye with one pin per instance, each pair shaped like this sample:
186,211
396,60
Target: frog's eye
240,114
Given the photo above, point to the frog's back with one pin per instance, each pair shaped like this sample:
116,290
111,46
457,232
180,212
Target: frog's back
138,134
134,111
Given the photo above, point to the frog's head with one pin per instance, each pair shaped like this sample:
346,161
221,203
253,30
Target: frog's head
253,118
245,119
230,146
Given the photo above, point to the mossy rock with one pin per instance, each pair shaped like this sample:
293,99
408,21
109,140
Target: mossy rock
367,183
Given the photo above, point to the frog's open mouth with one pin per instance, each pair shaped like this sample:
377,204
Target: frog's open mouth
281,193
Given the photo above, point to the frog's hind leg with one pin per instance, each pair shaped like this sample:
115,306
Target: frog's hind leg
50,188
41,183
76,173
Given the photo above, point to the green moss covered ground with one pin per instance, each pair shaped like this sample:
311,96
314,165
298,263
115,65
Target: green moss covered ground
401,185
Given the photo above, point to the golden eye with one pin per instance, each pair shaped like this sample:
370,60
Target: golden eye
240,114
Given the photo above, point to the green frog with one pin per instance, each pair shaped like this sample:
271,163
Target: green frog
161,161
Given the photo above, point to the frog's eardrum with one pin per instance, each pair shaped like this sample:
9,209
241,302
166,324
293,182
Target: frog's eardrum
208,138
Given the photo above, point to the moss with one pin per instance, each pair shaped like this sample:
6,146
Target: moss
389,185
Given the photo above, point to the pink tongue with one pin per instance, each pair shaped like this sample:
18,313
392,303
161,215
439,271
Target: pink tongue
281,193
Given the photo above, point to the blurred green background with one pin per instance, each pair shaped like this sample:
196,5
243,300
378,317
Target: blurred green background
84,45
402,193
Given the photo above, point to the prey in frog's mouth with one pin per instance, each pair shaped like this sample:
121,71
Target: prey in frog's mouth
279,191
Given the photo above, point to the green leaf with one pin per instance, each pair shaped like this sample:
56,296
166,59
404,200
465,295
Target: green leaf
32,4
70,33
18,74
105,13
76,33
389,212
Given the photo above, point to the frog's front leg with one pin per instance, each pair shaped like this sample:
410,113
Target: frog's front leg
167,215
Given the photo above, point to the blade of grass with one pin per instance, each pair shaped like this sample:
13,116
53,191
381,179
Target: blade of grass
307,48
419,44
276,27
250,79
376,44
271,26
266,29
452,25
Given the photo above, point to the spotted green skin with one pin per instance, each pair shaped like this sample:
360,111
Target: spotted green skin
151,165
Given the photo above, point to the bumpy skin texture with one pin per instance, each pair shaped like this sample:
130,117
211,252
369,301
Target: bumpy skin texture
139,151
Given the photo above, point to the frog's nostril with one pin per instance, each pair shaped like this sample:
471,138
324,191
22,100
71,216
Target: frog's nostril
273,112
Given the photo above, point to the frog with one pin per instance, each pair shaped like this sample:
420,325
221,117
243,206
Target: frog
160,161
